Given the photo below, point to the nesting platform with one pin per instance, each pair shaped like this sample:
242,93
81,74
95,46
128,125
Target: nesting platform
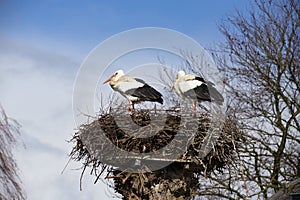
146,137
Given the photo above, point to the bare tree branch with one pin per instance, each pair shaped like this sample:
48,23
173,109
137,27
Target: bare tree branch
10,187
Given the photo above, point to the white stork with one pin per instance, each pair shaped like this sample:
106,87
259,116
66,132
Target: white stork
189,86
134,89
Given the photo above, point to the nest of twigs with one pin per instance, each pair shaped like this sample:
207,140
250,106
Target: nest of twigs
147,132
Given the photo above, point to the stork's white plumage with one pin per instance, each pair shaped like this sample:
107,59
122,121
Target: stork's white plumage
189,86
134,89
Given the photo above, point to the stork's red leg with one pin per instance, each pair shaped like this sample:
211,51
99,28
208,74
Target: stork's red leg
132,110
129,105
194,105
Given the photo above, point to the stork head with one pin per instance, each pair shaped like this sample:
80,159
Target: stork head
115,76
180,74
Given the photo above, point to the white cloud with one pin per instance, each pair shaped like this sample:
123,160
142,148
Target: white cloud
36,90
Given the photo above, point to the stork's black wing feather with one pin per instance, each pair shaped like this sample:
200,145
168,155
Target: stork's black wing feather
200,93
198,78
205,93
140,80
216,95
146,93
209,83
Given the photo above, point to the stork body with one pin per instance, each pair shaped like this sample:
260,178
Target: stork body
134,89
188,86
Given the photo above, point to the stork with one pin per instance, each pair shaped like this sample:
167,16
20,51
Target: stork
189,86
134,89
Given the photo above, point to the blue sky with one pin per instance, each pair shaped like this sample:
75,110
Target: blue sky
42,45
83,25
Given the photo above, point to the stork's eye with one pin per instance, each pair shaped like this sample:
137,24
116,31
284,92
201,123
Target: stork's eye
116,73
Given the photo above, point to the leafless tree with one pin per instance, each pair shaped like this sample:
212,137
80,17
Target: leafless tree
263,81
10,187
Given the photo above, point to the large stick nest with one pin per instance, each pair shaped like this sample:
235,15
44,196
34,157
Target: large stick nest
148,134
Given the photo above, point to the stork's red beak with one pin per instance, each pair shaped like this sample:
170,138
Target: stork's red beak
108,79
